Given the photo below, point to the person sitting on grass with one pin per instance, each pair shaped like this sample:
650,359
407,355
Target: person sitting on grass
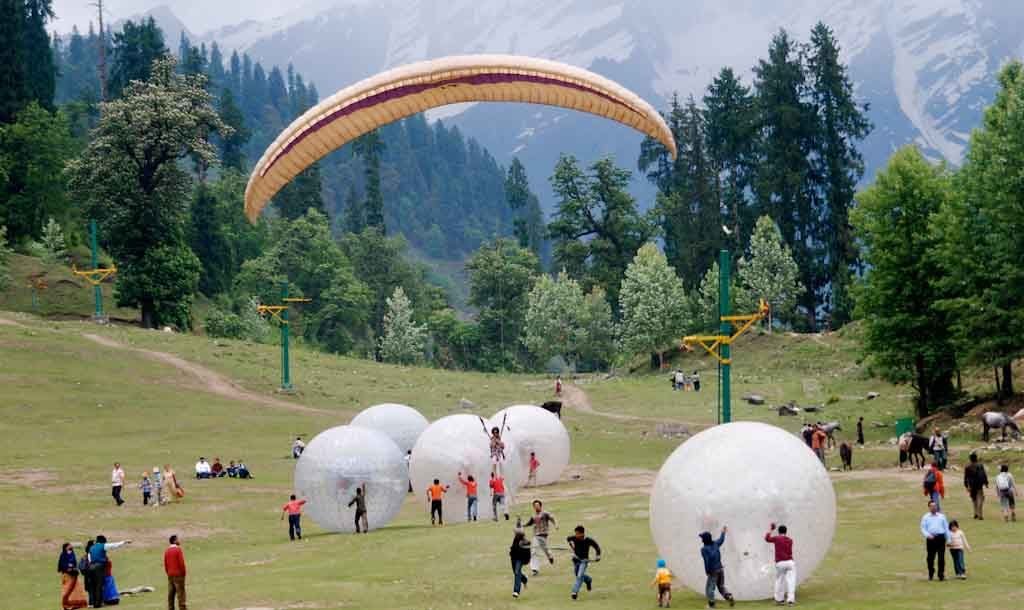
298,447
663,581
243,471
202,469
217,469
232,469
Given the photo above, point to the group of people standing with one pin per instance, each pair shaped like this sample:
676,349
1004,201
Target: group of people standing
88,581
683,382
157,488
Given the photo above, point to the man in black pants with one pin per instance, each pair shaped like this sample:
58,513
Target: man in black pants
935,530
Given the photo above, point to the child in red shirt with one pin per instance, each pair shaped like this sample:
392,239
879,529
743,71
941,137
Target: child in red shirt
294,511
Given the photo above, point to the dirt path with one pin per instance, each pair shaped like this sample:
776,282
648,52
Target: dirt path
575,398
209,380
6,322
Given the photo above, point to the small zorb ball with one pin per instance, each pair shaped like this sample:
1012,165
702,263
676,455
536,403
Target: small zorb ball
454,444
746,476
531,428
337,462
400,422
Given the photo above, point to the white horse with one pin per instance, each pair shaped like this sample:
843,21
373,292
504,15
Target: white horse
993,419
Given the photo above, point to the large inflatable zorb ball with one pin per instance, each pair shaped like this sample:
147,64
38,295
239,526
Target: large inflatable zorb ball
338,461
531,428
746,476
400,422
454,444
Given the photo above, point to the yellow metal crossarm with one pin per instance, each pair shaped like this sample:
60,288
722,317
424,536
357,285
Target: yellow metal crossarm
741,324
95,276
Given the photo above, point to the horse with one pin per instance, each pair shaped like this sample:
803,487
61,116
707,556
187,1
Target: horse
912,447
829,429
553,406
846,452
994,419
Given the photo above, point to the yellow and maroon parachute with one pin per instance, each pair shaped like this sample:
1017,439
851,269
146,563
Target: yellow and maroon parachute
407,90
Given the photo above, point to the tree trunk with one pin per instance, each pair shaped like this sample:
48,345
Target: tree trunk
922,386
148,313
661,360
999,386
1008,379
959,382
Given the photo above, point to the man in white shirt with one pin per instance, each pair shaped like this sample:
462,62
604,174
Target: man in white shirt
298,447
202,469
117,483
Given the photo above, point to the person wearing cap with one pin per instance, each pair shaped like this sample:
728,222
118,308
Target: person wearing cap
711,552
663,581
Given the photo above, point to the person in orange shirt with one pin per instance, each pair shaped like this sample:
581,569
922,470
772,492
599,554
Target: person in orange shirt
471,505
818,440
294,511
497,485
435,493
934,486
531,479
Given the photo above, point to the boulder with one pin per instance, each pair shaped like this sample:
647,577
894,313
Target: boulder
873,395
465,403
754,399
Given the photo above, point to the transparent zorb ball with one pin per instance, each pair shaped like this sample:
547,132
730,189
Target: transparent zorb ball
531,428
402,423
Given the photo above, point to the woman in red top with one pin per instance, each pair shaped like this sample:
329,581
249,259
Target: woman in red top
785,569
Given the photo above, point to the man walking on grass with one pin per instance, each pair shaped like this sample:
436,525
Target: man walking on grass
293,508
935,530
975,481
174,566
117,483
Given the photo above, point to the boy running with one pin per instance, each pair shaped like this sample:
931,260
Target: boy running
471,498
294,511
580,544
435,494
541,522
663,581
712,555
497,485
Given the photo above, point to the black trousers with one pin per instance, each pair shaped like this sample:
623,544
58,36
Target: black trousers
115,492
99,577
936,547
435,509
294,526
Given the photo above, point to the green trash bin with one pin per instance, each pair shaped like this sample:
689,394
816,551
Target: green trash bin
904,425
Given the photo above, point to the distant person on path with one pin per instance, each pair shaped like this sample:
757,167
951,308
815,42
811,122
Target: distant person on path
711,552
202,469
785,568
298,447
472,506
958,545
360,503
72,593
435,495
937,445
580,545
217,469
519,554
558,385
497,485
117,483
146,487
98,567
663,582
531,479
696,388
935,530
975,481
1007,491
818,441
293,508
174,567
933,484
541,521
860,431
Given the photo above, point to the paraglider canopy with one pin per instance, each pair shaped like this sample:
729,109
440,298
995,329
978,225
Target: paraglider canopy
407,90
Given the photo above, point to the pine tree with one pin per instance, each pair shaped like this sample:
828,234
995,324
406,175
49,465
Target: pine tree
353,220
53,242
906,335
555,321
40,70
232,147
598,347
525,207
369,147
501,275
136,47
653,304
14,87
838,165
769,273
704,301
403,339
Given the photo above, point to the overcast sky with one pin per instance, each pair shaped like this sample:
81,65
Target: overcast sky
199,15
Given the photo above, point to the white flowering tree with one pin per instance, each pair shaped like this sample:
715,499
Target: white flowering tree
555,319
403,339
770,273
653,304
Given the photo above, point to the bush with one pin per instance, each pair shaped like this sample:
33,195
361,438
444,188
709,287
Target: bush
224,325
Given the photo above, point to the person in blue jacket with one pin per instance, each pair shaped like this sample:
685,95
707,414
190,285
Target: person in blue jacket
711,552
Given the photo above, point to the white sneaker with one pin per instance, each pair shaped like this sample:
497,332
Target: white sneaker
515,595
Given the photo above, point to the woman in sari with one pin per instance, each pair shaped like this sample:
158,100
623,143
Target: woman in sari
171,487
72,593
111,596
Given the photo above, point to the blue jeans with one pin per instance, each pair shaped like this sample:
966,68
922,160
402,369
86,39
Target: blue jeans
958,561
579,566
935,497
940,457
518,578
716,579
294,528
471,508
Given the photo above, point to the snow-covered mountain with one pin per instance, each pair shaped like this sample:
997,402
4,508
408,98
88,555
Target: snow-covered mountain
926,67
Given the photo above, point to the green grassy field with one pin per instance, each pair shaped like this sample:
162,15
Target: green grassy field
71,406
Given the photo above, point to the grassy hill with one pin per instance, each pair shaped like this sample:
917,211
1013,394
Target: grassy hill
78,397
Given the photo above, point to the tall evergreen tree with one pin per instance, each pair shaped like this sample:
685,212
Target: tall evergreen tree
501,275
40,69
353,220
838,165
232,147
783,184
14,87
369,147
136,46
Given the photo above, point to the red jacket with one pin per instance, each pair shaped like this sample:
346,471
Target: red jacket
783,546
174,561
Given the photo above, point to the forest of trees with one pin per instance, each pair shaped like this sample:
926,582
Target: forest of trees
928,257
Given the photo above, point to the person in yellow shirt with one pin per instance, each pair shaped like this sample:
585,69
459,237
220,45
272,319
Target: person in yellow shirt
663,581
